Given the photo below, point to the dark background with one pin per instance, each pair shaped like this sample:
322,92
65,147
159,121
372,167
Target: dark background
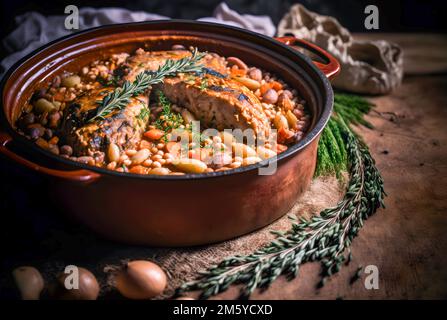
395,15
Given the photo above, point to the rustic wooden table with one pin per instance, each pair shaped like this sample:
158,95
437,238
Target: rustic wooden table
408,240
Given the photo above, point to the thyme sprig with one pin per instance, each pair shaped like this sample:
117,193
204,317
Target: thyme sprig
120,97
325,237
168,120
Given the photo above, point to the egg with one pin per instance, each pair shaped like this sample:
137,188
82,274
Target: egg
88,287
29,281
140,279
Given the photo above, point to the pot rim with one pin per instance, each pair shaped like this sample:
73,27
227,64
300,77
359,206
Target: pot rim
308,138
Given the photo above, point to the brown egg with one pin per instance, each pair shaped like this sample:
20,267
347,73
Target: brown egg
29,281
140,279
88,288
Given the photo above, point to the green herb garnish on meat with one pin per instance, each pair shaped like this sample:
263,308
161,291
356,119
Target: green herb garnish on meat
190,79
203,84
120,97
167,120
144,113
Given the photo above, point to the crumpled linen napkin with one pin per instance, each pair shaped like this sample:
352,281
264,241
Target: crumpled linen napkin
367,67
34,30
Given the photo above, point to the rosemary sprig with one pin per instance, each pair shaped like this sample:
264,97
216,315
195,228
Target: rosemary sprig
120,97
325,237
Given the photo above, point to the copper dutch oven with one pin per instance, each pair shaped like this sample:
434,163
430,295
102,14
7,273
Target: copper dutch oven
172,210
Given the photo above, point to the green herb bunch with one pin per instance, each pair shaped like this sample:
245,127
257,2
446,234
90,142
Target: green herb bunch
120,97
167,120
325,237
332,153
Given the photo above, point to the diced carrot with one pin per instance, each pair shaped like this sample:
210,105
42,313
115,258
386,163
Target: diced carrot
144,144
236,72
194,154
286,104
280,148
139,169
276,85
284,135
173,148
171,145
59,96
265,87
53,140
42,143
200,153
154,134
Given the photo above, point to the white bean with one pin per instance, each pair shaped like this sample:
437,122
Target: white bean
111,165
177,173
242,150
140,156
280,122
43,105
159,171
189,165
71,81
156,164
265,153
227,137
249,83
251,160
291,119
235,165
131,152
113,152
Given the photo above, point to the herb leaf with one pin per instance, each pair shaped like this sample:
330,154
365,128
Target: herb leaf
120,97
203,84
167,120
144,113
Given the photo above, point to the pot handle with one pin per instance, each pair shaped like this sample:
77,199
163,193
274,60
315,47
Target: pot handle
82,175
330,69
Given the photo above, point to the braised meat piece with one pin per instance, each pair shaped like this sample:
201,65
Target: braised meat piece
122,127
218,102
212,96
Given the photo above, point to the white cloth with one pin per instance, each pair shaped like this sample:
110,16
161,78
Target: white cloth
34,30
371,67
